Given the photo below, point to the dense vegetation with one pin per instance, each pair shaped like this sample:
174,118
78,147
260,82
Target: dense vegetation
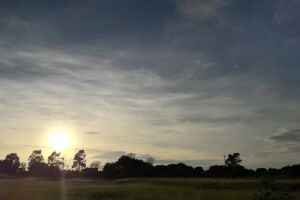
128,166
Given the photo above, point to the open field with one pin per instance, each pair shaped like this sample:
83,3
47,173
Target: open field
139,189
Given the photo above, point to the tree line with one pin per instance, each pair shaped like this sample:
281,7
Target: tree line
128,166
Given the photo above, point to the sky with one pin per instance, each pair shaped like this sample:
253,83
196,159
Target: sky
178,80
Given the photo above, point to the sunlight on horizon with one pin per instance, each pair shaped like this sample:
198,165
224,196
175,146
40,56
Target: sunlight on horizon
59,141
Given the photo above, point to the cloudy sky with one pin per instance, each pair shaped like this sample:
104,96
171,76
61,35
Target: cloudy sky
178,80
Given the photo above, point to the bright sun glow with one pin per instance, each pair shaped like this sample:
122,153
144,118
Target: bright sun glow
59,141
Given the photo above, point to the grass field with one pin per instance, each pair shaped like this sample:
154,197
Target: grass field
140,189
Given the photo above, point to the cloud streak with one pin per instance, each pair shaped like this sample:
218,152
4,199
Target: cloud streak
292,135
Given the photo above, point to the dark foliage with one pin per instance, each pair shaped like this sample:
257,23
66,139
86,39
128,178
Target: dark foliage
199,172
128,166
261,171
90,172
35,157
174,170
37,166
291,171
10,164
79,161
229,171
56,160
233,159
43,170
287,171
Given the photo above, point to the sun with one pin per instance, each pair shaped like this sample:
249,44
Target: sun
59,141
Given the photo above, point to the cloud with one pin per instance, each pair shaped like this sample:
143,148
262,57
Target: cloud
283,146
93,133
171,83
292,135
286,12
34,146
110,155
202,10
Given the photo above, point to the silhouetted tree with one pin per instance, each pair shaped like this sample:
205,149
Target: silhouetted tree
110,170
233,159
39,169
128,166
56,160
35,157
291,171
36,165
174,170
274,172
10,164
216,171
199,171
261,171
228,171
14,159
79,162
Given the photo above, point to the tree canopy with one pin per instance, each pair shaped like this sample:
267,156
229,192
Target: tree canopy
79,161
233,159
56,160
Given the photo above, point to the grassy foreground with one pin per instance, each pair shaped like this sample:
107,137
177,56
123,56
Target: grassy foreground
139,189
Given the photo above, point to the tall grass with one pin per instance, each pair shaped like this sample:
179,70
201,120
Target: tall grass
134,189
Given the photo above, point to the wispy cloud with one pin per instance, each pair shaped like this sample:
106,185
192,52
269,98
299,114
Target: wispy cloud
203,10
292,135
197,79
93,133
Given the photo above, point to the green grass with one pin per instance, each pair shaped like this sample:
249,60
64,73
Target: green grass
136,189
